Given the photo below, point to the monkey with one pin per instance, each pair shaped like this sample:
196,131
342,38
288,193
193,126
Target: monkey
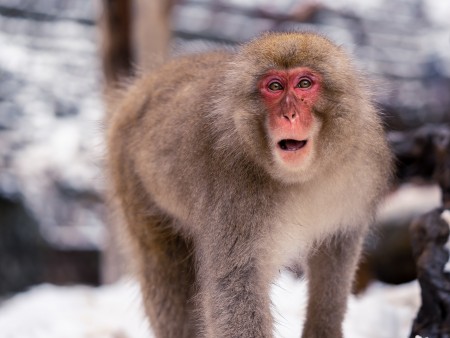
230,165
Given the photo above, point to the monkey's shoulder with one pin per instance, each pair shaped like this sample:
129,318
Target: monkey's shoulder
185,81
195,66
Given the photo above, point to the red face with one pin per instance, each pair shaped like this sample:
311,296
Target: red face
289,96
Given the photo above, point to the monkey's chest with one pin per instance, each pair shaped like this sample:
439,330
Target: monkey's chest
309,217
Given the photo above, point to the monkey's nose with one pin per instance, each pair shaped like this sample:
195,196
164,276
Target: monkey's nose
290,115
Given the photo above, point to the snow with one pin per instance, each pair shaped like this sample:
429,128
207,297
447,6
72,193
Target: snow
410,200
381,312
115,311
52,140
75,312
445,216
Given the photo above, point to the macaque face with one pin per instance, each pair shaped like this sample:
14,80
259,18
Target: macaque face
289,96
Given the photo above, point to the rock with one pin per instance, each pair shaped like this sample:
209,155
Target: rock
429,235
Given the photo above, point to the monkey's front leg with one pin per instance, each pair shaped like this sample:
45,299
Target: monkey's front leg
330,275
234,289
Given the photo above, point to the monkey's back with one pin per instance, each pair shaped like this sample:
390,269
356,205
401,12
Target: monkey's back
175,100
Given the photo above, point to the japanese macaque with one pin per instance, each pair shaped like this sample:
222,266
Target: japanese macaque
231,166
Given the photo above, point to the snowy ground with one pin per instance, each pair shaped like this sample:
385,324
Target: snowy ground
115,311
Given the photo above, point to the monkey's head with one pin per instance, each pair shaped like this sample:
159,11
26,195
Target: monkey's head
298,105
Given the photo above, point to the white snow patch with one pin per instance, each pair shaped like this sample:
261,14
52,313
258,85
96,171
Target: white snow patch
446,217
410,199
381,312
115,311
75,312
437,11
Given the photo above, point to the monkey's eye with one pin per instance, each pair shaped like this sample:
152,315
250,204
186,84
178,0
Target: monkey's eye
275,85
304,83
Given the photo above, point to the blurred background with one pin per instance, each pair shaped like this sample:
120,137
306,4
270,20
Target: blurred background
61,59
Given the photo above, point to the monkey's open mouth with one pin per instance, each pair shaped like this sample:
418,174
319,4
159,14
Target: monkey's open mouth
291,145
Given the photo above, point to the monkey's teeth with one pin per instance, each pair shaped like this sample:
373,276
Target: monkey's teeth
291,145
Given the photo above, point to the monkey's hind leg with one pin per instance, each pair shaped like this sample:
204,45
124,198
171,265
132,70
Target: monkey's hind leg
331,268
167,277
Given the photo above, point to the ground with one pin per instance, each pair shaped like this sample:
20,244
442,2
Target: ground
115,311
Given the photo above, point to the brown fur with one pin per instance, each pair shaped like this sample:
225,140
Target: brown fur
210,216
